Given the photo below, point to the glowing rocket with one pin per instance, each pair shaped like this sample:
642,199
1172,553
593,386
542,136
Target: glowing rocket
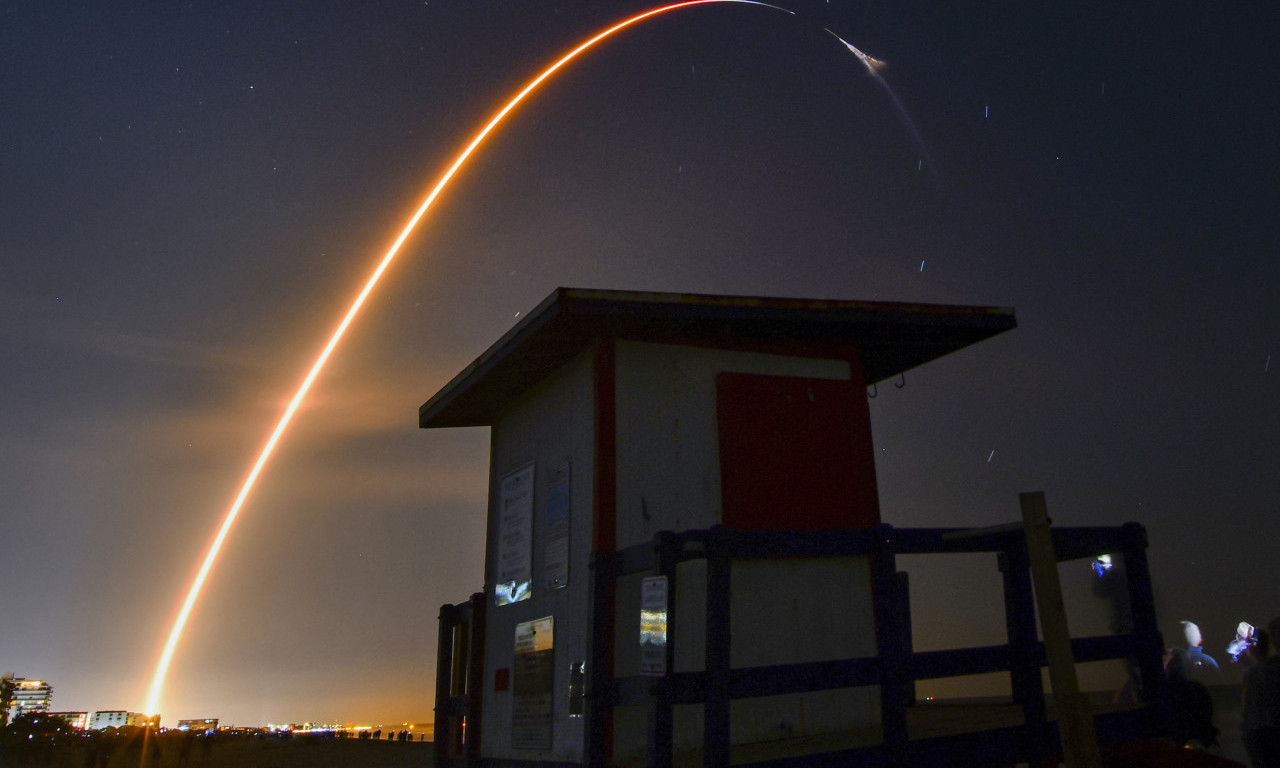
872,64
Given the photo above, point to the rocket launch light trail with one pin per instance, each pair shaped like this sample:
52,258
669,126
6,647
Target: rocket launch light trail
215,547
874,66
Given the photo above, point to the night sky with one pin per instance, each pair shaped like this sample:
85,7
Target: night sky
190,195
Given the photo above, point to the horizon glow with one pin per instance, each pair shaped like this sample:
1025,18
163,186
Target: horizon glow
215,546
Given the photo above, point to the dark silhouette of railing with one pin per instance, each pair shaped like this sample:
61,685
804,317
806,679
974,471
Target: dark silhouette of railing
894,669
459,682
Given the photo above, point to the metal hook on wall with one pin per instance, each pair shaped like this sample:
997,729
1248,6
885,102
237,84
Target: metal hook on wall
902,376
871,395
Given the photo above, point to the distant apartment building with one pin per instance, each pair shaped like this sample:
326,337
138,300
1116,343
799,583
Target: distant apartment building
20,696
199,725
111,718
119,718
77,720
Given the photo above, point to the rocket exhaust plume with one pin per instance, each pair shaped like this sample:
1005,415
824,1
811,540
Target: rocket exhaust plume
215,546
872,64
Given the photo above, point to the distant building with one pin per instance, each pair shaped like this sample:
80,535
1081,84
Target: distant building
22,696
77,720
6,691
119,718
112,718
205,725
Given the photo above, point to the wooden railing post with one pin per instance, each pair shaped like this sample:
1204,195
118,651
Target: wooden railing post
716,708
443,741
597,730
1024,656
1075,721
661,706
1142,603
474,623
902,608
893,710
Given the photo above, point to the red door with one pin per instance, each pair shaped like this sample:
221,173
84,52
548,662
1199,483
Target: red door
795,453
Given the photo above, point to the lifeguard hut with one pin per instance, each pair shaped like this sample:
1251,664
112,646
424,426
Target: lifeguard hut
685,559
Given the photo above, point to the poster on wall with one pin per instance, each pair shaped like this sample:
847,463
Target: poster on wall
653,626
557,560
515,537
533,681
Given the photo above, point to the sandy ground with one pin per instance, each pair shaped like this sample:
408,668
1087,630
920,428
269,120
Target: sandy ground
178,751
235,752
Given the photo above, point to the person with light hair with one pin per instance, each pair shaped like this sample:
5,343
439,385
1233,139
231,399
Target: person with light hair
1196,657
1192,723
